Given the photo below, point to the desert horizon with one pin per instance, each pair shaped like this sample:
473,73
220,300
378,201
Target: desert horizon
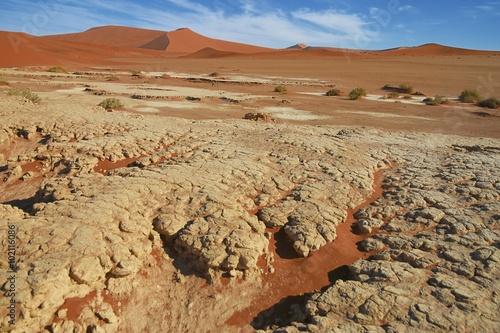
234,175
182,42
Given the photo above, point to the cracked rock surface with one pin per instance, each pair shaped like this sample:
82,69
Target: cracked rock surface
120,207
438,262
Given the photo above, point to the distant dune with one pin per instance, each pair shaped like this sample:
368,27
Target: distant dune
209,52
112,36
298,46
19,49
179,41
188,41
432,49
104,45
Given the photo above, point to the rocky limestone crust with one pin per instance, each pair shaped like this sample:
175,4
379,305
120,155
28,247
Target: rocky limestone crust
438,269
118,195
115,187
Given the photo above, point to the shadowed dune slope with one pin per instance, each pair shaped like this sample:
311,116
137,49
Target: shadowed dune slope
161,43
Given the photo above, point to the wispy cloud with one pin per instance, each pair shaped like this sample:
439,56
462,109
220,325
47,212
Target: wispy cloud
332,19
406,8
260,22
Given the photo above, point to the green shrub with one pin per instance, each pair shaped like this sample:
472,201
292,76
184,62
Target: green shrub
333,92
405,88
57,69
26,93
281,89
470,96
437,100
357,93
491,103
110,103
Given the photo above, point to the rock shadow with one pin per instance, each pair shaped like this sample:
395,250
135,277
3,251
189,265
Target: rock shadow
185,264
284,246
287,310
25,205
341,273
293,308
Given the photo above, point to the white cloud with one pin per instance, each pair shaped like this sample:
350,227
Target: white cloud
239,20
332,19
406,8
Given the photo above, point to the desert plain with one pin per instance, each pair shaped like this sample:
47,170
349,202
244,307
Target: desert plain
210,202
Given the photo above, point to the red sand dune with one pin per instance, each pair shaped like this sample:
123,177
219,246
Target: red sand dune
104,45
179,41
298,46
112,36
209,52
434,50
20,49
188,41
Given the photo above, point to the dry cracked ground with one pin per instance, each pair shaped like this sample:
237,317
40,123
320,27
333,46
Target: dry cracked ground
143,223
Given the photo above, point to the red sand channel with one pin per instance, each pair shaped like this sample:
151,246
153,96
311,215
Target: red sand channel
295,276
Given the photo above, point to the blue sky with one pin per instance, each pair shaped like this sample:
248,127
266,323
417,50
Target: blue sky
363,24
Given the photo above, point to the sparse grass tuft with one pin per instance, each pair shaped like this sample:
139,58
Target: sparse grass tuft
26,93
57,69
4,82
214,74
112,78
393,94
491,103
110,103
437,100
357,93
405,88
281,89
137,74
333,92
470,96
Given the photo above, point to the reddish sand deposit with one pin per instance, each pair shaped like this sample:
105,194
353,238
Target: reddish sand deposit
75,305
295,276
104,166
